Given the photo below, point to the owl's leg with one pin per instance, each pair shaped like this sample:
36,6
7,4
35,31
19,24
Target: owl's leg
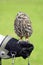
27,37
20,38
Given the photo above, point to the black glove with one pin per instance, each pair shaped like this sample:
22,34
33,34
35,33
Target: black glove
26,49
21,48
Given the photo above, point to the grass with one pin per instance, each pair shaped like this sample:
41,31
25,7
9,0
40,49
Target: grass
34,8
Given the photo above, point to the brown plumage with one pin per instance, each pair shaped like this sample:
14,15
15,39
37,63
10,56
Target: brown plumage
22,25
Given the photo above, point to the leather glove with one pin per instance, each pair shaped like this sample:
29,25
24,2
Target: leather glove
26,49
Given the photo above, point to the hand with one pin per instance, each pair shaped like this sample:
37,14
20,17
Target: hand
26,49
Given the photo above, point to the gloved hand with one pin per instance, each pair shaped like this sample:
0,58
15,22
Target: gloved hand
26,49
22,48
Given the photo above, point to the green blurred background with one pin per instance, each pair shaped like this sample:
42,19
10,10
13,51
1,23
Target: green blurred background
33,8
